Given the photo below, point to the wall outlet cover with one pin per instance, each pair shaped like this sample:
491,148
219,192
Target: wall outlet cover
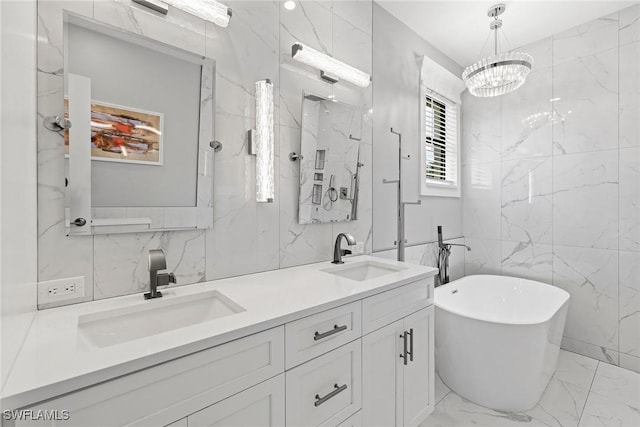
55,291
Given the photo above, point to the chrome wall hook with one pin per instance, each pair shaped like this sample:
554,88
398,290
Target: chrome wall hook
56,123
293,156
216,145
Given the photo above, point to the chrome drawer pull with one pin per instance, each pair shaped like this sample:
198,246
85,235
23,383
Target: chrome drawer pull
405,351
318,336
411,344
320,400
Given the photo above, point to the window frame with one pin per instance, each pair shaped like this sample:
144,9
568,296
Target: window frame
432,187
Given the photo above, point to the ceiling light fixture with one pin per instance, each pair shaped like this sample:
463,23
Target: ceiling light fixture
330,68
209,10
500,73
290,5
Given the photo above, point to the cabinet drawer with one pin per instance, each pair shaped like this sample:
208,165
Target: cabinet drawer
260,406
354,420
167,392
317,334
387,307
327,390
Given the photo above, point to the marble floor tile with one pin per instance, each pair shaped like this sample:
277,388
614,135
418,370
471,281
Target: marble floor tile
572,399
601,411
618,384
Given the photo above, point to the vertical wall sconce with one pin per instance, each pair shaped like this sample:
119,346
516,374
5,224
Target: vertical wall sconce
261,142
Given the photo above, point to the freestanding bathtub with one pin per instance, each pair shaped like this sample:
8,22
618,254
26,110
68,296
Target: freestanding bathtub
498,339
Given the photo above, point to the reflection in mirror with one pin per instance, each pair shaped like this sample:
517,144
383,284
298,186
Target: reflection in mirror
329,162
142,119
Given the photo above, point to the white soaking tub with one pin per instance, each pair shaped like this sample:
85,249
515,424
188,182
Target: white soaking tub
498,339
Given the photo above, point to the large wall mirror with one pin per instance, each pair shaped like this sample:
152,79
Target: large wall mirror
330,163
139,153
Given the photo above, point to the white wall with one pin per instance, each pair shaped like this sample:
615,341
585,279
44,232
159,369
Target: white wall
561,203
247,237
397,57
18,268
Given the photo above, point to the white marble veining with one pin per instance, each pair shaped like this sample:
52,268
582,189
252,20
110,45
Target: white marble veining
524,134
591,277
585,200
570,400
527,201
481,194
484,257
629,25
629,265
591,350
481,121
629,98
528,260
630,199
586,39
587,89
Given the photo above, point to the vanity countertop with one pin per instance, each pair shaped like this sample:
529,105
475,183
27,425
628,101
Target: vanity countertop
54,359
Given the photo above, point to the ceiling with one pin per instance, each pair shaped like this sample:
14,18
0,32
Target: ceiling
459,29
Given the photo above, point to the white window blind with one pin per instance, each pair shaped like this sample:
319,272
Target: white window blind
441,140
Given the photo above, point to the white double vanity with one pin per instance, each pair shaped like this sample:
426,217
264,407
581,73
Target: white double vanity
315,345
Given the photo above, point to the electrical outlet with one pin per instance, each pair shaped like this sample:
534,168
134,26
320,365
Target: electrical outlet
55,291
358,249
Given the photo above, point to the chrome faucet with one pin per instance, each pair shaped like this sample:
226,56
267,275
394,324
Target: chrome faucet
157,261
337,252
444,251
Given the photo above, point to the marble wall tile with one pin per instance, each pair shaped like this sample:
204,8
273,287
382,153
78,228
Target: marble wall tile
129,252
630,199
527,116
590,350
299,244
587,39
309,23
629,277
588,92
50,31
585,200
245,236
177,28
481,195
359,13
629,98
481,129
357,52
527,260
58,255
484,257
630,362
591,277
629,30
245,52
526,213
542,52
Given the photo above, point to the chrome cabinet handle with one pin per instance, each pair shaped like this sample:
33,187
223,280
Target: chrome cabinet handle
318,336
336,389
410,333
404,347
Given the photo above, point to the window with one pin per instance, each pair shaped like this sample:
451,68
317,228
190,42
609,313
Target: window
439,144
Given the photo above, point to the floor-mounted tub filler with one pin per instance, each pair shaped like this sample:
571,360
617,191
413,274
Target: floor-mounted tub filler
498,339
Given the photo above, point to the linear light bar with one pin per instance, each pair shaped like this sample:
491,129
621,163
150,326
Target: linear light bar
209,10
262,141
329,65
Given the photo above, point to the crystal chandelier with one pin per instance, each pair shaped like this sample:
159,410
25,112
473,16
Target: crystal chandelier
500,73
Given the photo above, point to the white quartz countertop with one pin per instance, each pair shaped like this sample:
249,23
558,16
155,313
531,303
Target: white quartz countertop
54,360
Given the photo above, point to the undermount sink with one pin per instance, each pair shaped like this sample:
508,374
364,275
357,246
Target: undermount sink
364,270
120,325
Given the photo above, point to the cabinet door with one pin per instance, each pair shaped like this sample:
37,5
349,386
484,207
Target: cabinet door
418,384
382,376
261,405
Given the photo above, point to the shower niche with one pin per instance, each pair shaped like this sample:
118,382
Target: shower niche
329,160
